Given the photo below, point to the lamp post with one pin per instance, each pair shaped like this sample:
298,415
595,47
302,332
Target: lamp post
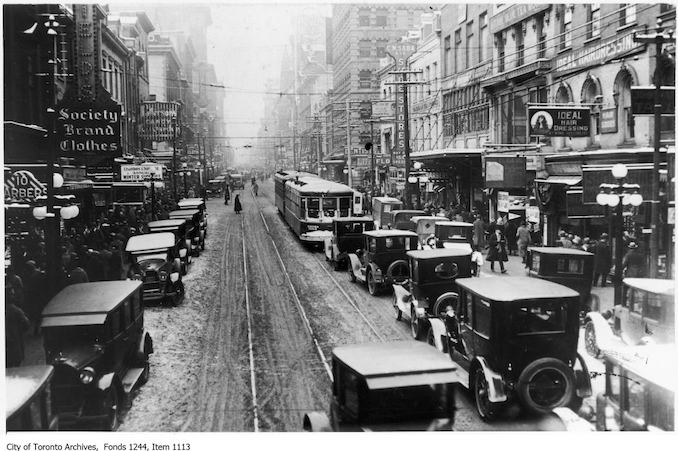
151,183
618,196
414,178
185,172
345,171
174,158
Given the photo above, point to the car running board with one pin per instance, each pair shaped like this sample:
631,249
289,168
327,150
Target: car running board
131,379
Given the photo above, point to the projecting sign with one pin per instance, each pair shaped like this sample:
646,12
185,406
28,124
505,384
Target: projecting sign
155,121
608,120
22,186
400,52
503,201
383,109
141,172
563,121
505,172
532,214
642,100
88,128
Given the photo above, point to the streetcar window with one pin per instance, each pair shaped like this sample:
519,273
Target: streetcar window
329,207
344,206
312,207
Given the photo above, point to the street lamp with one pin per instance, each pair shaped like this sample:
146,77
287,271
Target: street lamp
617,196
152,183
184,173
414,178
345,171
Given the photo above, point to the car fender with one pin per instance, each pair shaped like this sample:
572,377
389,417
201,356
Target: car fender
176,264
495,382
582,379
174,277
374,269
105,381
402,298
317,422
183,252
327,247
571,421
439,331
355,264
604,334
146,342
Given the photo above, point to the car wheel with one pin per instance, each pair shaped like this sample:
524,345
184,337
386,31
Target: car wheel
430,339
372,284
545,384
351,276
590,340
110,409
484,406
178,295
415,325
398,271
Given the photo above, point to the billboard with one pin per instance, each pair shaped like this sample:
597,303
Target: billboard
505,172
572,122
155,121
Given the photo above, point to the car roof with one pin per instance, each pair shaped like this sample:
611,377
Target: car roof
388,200
21,384
438,253
656,286
430,218
515,288
656,363
397,363
391,232
354,219
406,211
148,241
183,213
91,298
191,202
455,223
166,223
559,250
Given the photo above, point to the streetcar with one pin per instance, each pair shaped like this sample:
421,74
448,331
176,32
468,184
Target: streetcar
309,203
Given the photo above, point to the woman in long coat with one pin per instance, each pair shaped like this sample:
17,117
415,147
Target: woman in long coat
237,207
497,252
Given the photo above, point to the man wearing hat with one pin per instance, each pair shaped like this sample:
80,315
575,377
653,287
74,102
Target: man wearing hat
633,263
602,261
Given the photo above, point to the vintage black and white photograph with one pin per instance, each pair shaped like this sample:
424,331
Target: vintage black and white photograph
329,217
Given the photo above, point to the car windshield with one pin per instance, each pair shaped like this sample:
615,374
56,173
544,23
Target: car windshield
540,317
57,337
410,403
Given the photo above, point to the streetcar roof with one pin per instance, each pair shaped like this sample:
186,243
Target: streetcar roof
559,250
22,383
91,299
515,288
149,241
656,286
397,363
439,253
307,185
390,232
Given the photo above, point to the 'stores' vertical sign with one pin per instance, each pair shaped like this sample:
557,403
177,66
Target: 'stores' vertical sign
400,52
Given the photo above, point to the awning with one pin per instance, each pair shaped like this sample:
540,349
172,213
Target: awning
449,152
568,180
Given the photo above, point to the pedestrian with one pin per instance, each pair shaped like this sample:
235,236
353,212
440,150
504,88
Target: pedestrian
497,252
237,207
16,324
577,243
602,261
524,239
227,194
567,240
476,261
77,273
633,263
479,232
511,238
255,188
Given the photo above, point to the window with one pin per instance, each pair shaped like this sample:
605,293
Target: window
570,266
446,270
457,51
126,314
613,385
520,45
434,82
364,48
482,314
627,14
382,19
593,21
482,36
653,308
447,64
350,393
636,397
344,206
329,207
536,259
427,78
381,48
364,17
500,53
115,322
470,45
312,207
540,317
468,306
541,38
365,78
372,242
566,27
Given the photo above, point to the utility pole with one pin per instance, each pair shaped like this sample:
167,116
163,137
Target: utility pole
659,37
348,142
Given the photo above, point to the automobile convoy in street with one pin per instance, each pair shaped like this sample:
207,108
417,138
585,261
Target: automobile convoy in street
508,339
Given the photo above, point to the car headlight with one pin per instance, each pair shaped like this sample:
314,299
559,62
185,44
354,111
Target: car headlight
136,276
163,275
87,375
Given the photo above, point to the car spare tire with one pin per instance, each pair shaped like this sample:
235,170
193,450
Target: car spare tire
398,271
441,304
545,384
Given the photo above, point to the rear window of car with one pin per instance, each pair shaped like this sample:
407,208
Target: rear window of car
540,317
570,266
418,402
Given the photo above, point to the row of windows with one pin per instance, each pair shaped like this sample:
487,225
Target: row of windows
368,49
465,55
112,77
467,121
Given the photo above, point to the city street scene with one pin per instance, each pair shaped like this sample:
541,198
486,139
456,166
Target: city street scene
319,217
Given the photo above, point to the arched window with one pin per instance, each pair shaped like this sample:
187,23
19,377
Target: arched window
563,94
622,99
592,93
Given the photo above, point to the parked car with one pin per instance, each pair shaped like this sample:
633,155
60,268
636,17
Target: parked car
195,203
425,228
237,181
393,386
155,261
640,384
570,267
646,315
347,237
382,260
515,338
431,287
454,235
195,232
180,230
382,208
28,400
94,336
401,219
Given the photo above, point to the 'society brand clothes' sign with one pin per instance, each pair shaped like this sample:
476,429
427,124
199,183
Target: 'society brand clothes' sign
88,128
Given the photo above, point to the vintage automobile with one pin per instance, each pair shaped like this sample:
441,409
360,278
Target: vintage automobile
28,400
94,336
570,267
195,203
431,287
347,237
237,181
382,208
646,315
425,228
453,235
392,386
401,219
195,232
382,260
180,230
640,387
515,337
155,261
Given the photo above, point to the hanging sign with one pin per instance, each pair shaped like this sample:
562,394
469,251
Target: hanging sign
532,214
400,52
140,172
571,122
23,186
155,121
89,129
503,201
642,100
